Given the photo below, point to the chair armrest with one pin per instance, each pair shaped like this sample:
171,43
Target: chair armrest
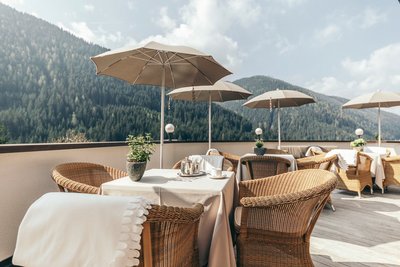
394,159
288,198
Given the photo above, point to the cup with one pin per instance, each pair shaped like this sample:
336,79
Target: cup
216,172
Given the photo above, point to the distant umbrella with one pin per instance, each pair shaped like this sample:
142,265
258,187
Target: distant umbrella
375,100
219,92
160,65
279,99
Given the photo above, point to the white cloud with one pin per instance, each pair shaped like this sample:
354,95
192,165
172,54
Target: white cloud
164,21
380,71
250,12
131,5
204,24
98,36
327,85
365,19
328,34
82,30
12,3
88,7
283,44
293,3
371,17
383,61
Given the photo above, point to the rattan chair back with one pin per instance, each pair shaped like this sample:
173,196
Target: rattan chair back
169,237
392,170
84,177
316,162
276,151
234,159
278,216
264,166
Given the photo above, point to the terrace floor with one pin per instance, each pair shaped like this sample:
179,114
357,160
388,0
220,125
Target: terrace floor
361,232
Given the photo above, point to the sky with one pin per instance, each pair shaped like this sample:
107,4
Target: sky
343,48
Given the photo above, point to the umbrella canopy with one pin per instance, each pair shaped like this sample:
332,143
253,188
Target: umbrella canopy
160,65
279,99
221,91
378,100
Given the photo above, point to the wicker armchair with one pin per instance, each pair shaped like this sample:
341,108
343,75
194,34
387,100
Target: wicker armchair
83,177
278,216
276,151
234,159
391,166
264,166
169,237
318,162
358,177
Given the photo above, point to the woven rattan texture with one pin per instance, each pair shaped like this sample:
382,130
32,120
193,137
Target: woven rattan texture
358,177
264,166
316,162
173,233
392,170
83,177
278,216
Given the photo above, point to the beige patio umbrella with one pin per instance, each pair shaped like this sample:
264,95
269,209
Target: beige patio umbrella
160,65
221,91
279,99
378,100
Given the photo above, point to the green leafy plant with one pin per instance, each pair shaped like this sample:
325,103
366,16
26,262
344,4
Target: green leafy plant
259,143
358,142
141,147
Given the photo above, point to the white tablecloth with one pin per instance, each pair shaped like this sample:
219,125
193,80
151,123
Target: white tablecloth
380,150
164,187
349,156
243,175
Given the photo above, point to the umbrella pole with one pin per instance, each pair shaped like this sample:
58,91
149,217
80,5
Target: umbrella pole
279,126
162,117
209,120
379,125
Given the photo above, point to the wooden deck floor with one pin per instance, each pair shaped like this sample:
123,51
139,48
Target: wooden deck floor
362,232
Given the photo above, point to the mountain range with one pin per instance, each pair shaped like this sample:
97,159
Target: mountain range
48,87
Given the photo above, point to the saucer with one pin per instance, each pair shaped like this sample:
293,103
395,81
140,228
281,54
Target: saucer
223,176
201,173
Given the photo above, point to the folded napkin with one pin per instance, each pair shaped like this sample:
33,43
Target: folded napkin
72,229
342,162
344,158
208,162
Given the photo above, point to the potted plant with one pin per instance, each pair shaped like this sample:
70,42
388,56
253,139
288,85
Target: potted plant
358,144
259,150
140,149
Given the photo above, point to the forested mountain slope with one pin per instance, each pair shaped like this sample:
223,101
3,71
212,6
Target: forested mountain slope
48,85
324,120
